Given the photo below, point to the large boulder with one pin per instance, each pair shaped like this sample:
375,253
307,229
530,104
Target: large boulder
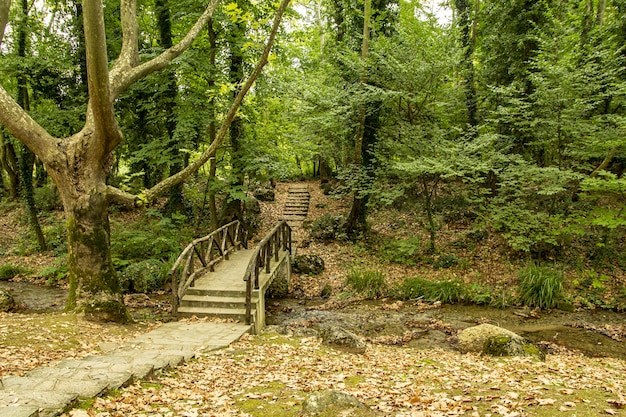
496,341
334,403
7,303
307,264
342,339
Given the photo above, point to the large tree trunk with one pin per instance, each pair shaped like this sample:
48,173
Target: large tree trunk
94,286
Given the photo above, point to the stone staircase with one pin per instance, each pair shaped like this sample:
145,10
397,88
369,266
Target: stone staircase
297,205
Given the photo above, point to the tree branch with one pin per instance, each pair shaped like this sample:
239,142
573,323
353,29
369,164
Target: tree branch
125,74
151,194
115,195
605,163
27,130
108,135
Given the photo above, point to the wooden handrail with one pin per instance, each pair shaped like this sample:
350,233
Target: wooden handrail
279,238
209,250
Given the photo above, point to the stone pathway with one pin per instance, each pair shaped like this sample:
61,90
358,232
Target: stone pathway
48,391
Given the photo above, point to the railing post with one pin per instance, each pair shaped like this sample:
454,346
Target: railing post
249,300
174,293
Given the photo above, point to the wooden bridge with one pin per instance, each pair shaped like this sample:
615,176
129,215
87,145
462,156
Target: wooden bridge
219,275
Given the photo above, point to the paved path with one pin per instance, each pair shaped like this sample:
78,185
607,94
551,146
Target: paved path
48,391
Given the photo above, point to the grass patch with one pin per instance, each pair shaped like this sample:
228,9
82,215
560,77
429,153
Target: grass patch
447,291
368,283
540,286
10,271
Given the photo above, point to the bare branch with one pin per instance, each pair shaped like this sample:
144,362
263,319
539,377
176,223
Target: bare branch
108,134
5,6
28,131
151,194
125,74
115,195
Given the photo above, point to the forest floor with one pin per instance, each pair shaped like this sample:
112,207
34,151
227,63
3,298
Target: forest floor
272,374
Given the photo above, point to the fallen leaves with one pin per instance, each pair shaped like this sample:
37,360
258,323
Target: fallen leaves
273,373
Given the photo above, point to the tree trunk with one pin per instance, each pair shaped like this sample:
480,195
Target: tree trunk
27,158
175,202
212,126
233,207
94,286
10,166
467,42
357,216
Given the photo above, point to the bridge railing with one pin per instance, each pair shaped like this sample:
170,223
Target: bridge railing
267,250
202,254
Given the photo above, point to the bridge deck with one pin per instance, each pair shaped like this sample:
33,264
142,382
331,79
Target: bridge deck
228,275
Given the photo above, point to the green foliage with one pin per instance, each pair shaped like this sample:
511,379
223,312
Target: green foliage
402,251
47,198
370,284
326,228
446,291
55,273
56,236
153,236
540,286
9,271
531,205
445,261
144,276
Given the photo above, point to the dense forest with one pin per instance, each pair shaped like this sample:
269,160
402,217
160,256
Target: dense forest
501,124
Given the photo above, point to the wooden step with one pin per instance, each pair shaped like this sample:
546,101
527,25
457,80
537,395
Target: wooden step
196,291
238,314
217,302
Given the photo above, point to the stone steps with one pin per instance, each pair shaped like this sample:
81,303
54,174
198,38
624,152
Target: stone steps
297,205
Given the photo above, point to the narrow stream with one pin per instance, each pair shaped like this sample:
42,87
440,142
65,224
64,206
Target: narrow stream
375,318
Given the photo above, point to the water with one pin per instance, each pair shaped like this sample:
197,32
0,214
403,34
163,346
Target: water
36,298
373,319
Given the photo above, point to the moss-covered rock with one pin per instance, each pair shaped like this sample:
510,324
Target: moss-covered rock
334,403
507,346
7,302
342,339
496,341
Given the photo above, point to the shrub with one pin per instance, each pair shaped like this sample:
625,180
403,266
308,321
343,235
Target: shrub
56,272
369,283
479,294
9,271
411,288
449,291
144,276
154,236
327,227
445,261
540,286
402,251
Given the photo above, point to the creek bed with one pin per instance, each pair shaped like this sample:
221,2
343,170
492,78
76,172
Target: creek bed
373,319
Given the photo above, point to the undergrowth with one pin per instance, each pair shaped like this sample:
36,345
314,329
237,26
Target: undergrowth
540,286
